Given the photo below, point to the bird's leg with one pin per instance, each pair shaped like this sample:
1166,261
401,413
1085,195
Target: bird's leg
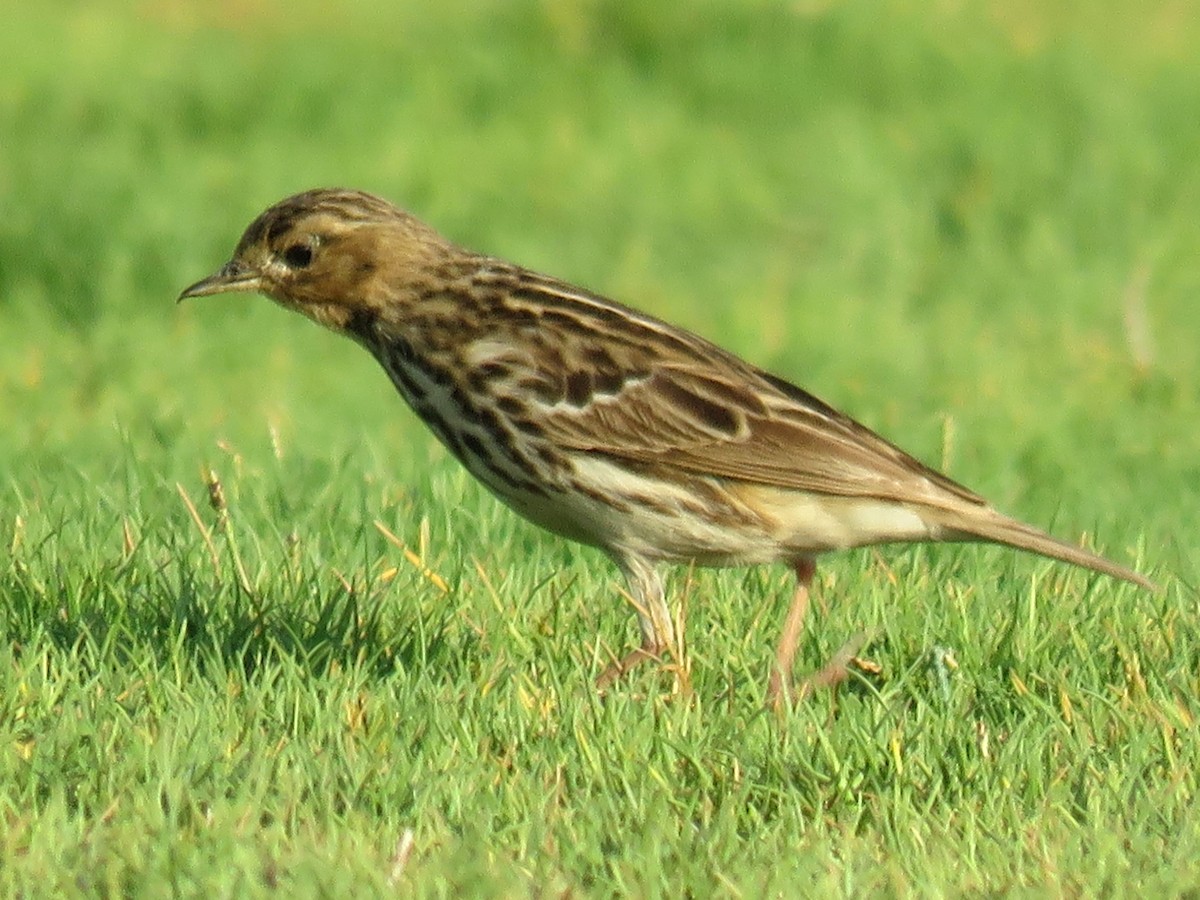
654,619
780,687
780,684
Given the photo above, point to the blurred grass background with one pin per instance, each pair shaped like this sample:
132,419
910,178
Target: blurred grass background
972,225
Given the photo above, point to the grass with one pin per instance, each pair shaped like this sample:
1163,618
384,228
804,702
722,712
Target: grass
973,227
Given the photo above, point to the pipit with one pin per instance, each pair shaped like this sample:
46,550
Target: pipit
605,425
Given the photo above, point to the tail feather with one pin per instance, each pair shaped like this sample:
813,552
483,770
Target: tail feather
1000,529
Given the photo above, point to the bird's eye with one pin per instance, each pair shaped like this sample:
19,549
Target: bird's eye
298,255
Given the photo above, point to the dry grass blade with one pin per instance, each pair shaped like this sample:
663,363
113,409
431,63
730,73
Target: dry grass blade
201,527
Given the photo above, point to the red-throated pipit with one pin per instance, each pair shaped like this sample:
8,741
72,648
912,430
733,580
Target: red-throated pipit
605,425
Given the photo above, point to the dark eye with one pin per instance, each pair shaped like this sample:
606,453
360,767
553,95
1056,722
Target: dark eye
298,255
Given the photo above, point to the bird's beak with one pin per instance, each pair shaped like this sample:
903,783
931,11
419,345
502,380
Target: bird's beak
234,277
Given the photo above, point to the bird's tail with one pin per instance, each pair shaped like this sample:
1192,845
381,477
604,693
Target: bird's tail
1001,529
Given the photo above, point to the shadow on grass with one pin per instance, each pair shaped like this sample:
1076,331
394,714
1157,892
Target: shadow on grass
179,611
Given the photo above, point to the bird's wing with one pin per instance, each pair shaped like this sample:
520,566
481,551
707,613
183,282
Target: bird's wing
752,427
609,379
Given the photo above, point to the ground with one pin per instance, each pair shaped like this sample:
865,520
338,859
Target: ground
261,634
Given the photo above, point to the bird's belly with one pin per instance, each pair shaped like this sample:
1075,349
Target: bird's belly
812,523
710,521
655,532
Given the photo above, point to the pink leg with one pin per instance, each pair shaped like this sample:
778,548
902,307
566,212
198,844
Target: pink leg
780,688
654,619
781,675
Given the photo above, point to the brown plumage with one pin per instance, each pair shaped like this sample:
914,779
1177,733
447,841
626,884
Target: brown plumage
603,424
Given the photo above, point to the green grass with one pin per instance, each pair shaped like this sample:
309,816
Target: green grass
940,221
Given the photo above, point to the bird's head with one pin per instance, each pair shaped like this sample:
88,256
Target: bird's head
333,255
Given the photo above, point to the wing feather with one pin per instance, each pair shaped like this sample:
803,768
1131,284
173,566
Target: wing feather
665,397
751,430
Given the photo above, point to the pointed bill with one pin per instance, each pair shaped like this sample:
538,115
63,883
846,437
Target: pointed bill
233,277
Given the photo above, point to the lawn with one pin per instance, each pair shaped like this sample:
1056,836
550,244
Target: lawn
262,635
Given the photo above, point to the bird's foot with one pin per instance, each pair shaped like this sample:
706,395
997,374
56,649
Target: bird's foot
783,692
631,660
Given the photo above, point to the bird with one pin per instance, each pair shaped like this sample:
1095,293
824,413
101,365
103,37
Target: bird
605,425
